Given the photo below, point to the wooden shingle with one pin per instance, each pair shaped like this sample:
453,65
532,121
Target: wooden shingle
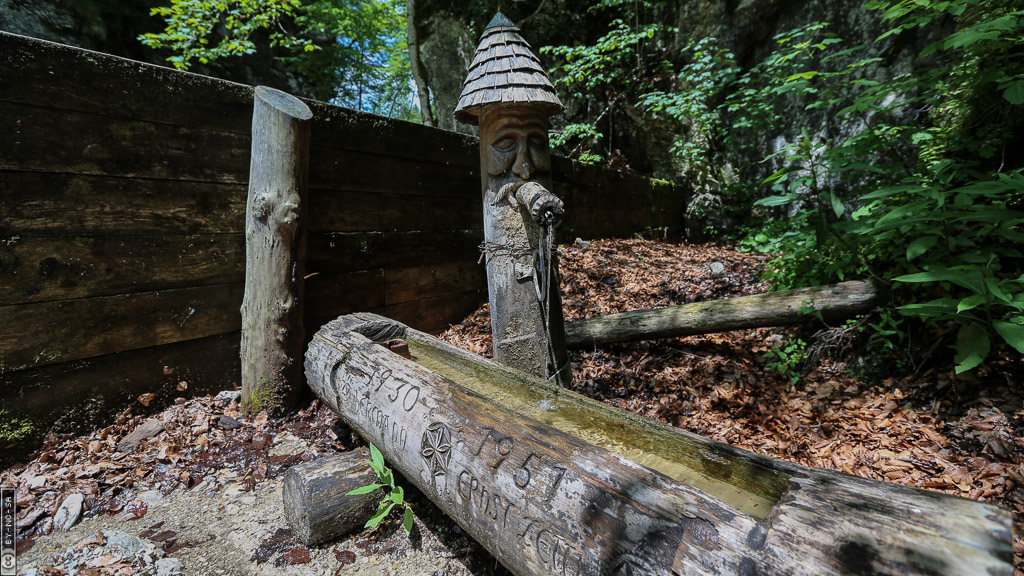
504,70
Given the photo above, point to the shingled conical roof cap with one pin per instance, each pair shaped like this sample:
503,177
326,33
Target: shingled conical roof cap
504,71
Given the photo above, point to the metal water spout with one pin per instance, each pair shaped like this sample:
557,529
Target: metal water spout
508,94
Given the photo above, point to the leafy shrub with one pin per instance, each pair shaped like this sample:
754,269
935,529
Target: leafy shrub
395,496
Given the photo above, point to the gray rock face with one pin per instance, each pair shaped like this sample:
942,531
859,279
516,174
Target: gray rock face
446,54
705,218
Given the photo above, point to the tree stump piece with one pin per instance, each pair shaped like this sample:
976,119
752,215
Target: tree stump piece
316,503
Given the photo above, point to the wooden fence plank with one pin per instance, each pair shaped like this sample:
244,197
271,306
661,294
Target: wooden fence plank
431,280
330,295
366,172
342,211
334,252
60,268
435,315
346,129
65,77
81,395
49,140
43,333
44,204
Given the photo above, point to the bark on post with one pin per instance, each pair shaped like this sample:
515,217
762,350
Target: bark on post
508,94
275,246
783,308
554,483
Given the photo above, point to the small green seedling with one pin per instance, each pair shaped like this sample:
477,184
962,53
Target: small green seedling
395,498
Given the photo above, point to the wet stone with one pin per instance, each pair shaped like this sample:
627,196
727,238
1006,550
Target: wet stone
228,423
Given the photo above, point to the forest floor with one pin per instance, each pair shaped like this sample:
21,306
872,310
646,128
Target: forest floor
202,496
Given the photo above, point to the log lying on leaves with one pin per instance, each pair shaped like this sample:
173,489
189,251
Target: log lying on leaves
551,482
316,500
833,302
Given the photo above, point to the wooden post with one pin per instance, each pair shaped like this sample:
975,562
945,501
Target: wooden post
786,307
551,482
508,94
275,246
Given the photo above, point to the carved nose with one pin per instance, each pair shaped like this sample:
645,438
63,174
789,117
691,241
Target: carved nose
523,167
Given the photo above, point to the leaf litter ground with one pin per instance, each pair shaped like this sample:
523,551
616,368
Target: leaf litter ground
209,479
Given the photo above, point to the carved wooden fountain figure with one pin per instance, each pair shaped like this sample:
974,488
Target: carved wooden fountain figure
508,94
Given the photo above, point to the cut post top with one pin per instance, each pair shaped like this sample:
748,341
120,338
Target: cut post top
283,102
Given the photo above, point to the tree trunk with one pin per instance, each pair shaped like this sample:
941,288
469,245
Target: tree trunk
316,503
275,247
834,302
554,483
416,66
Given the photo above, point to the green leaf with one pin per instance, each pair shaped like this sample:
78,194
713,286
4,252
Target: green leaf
972,346
837,203
970,302
377,461
803,75
1012,332
776,200
364,489
920,246
407,520
397,495
993,287
959,277
380,514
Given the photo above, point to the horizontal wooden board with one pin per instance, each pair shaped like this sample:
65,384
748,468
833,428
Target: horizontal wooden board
333,169
344,211
639,205
43,204
330,295
334,252
51,140
66,77
435,315
36,269
43,333
347,129
85,394
432,280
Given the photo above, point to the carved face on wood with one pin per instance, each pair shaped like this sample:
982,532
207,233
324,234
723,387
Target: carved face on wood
515,142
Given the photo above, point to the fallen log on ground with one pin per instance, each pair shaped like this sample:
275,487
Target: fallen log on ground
552,482
833,302
316,500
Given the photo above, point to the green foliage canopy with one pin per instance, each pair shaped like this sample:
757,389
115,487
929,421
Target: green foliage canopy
350,52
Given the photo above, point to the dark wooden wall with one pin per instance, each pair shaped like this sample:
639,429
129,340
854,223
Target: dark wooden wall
122,196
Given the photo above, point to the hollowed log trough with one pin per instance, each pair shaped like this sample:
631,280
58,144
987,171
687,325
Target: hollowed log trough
551,482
